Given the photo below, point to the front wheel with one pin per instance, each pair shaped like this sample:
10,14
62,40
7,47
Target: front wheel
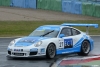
51,51
85,48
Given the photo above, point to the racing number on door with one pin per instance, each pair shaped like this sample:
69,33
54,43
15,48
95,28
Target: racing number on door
68,43
61,44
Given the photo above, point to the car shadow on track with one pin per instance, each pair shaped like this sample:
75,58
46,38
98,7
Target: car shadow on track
42,57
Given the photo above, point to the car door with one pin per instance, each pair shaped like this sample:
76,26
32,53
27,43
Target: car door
68,41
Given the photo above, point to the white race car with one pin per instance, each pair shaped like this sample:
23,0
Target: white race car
51,40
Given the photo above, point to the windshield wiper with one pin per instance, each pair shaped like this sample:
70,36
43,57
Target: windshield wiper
47,33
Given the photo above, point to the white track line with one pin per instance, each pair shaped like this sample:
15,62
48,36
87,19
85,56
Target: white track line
13,37
3,52
3,45
94,35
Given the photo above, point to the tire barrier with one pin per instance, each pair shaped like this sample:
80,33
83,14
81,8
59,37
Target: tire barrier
66,6
91,9
49,5
84,7
5,2
31,4
78,8
97,10
24,3
18,3
72,6
88,8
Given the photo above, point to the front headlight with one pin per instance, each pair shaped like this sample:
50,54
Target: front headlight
12,43
38,44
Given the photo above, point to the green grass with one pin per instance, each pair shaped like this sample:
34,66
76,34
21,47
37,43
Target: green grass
24,28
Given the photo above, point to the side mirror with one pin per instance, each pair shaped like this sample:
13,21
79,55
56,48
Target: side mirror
62,35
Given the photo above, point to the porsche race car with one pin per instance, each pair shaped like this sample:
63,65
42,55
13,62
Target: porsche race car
51,40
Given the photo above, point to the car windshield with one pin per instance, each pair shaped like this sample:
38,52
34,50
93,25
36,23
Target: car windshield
45,32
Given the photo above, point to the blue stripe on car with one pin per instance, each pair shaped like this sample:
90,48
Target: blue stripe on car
76,48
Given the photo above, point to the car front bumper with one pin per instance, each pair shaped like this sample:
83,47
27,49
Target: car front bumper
22,52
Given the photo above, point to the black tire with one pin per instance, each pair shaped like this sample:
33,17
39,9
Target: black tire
51,51
85,48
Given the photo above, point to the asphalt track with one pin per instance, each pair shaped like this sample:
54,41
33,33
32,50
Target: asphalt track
40,61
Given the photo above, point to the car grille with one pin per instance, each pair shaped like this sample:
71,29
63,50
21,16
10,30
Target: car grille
19,54
9,52
22,54
33,53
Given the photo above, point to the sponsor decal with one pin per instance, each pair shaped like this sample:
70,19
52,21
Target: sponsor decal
68,43
18,49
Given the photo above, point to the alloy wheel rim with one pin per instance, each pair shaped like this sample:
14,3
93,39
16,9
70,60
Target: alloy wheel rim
51,50
86,47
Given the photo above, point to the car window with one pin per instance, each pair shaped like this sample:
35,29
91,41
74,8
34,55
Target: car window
75,32
45,33
66,31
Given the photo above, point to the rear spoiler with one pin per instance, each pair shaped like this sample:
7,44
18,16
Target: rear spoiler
85,25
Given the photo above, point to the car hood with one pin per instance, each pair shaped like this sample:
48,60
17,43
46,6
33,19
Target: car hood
27,41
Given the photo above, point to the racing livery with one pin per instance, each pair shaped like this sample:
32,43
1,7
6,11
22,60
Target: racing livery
51,40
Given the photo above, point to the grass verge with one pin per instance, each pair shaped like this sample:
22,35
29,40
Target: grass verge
24,28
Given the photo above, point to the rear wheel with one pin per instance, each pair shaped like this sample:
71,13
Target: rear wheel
85,48
51,51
